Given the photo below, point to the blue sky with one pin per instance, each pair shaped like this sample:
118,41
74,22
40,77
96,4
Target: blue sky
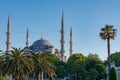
44,17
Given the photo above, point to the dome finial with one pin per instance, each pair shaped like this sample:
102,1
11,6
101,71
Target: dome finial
41,36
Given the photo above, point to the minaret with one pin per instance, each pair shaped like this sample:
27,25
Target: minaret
71,42
62,41
27,38
8,37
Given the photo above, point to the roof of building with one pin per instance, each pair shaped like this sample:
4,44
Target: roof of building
42,42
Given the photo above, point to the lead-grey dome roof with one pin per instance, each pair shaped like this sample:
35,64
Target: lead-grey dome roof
42,42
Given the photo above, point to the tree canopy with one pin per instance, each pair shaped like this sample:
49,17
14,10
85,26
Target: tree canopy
116,57
82,67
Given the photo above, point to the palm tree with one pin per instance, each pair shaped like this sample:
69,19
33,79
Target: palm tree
18,64
107,33
2,58
41,64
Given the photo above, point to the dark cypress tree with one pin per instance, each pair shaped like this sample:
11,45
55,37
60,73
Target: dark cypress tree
113,75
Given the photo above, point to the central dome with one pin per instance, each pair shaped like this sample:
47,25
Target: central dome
42,45
42,42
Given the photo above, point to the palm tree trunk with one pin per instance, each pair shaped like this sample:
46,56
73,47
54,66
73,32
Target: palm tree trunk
75,75
17,77
108,45
38,75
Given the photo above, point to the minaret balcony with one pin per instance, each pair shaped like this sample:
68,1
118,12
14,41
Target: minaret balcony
62,41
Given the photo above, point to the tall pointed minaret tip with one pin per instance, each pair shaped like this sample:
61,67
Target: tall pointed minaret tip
62,13
62,23
27,38
70,31
8,21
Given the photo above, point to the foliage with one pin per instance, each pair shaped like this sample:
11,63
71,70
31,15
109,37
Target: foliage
101,71
108,32
115,57
91,61
75,65
93,74
81,67
71,61
41,63
2,59
52,58
105,62
113,74
94,67
61,69
18,64
1,64
51,78
84,74
84,68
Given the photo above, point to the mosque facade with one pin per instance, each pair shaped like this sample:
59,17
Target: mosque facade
43,45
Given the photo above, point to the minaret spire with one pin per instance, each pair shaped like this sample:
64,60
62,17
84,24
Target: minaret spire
27,38
8,37
62,41
71,42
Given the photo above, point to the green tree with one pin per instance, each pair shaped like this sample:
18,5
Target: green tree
75,65
2,60
17,64
107,33
101,71
94,67
113,74
93,74
91,61
53,58
41,63
115,57
61,69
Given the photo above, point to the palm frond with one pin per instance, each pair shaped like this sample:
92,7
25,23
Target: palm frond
107,32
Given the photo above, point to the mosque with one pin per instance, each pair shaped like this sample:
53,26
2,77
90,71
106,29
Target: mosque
43,45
